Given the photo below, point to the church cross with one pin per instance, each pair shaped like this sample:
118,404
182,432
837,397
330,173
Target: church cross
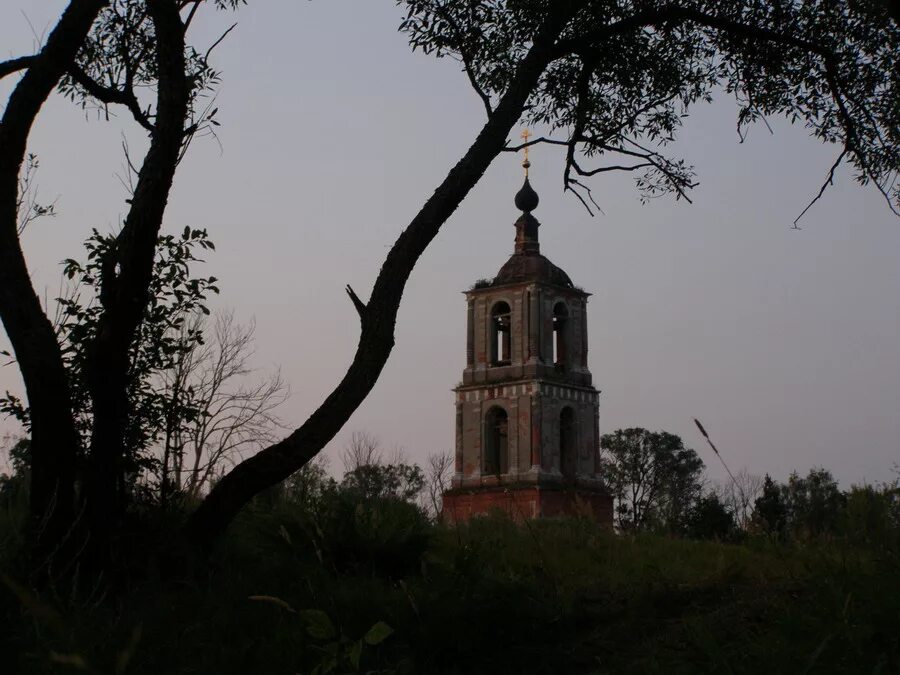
525,136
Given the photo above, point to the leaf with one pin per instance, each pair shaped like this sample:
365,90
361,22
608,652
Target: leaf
318,624
354,654
275,601
187,232
378,634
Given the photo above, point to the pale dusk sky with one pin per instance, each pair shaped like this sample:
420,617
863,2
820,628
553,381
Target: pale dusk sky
785,343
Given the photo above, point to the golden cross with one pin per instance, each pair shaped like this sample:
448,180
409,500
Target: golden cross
525,136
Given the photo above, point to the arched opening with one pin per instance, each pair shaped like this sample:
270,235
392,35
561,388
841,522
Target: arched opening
500,335
567,442
496,442
560,334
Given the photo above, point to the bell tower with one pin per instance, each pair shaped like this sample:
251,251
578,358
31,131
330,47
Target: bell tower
527,415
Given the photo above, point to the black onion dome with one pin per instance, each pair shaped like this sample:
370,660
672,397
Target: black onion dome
527,268
526,198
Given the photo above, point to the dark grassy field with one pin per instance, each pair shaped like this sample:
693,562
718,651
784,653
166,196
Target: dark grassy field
288,594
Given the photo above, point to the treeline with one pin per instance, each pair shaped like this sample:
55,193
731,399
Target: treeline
659,486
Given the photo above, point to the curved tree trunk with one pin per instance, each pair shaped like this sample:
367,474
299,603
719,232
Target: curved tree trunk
126,279
378,316
54,439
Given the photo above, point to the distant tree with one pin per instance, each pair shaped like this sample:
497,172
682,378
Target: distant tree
18,453
871,516
813,503
710,518
309,486
437,481
363,449
739,496
770,511
653,477
215,408
681,490
404,482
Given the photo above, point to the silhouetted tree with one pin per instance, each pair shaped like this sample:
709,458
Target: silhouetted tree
101,52
709,518
813,503
770,511
739,495
652,476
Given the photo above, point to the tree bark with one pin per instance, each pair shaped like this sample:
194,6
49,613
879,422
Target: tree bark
126,279
54,438
378,317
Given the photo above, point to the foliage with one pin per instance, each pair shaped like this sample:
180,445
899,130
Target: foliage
15,485
710,519
770,512
813,503
652,476
489,596
399,481
627,74
871,517
164,336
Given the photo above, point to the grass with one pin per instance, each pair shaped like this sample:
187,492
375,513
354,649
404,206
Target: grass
490,597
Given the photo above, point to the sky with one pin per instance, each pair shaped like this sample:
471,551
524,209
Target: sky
785,343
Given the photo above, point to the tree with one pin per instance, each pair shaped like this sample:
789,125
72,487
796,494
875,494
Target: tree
813,503
609,80
739,495
101,52
17,451
368,476
769,510
437,481
710,519
363,449
652,476
228,415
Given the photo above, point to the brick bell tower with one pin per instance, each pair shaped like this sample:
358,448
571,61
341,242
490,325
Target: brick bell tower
527,439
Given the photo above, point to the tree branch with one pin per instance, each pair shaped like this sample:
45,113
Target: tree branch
829,180
357,303
112,95
15,65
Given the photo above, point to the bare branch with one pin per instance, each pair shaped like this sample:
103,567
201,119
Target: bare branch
829,180
542,139
219,41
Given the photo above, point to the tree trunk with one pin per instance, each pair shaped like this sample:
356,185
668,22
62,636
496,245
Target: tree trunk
54,438
274,464
126,280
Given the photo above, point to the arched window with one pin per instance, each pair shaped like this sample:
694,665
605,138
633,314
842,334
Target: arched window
500,334
496,442
560,334
567,457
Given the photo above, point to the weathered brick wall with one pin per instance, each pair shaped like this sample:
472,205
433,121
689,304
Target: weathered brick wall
527,502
